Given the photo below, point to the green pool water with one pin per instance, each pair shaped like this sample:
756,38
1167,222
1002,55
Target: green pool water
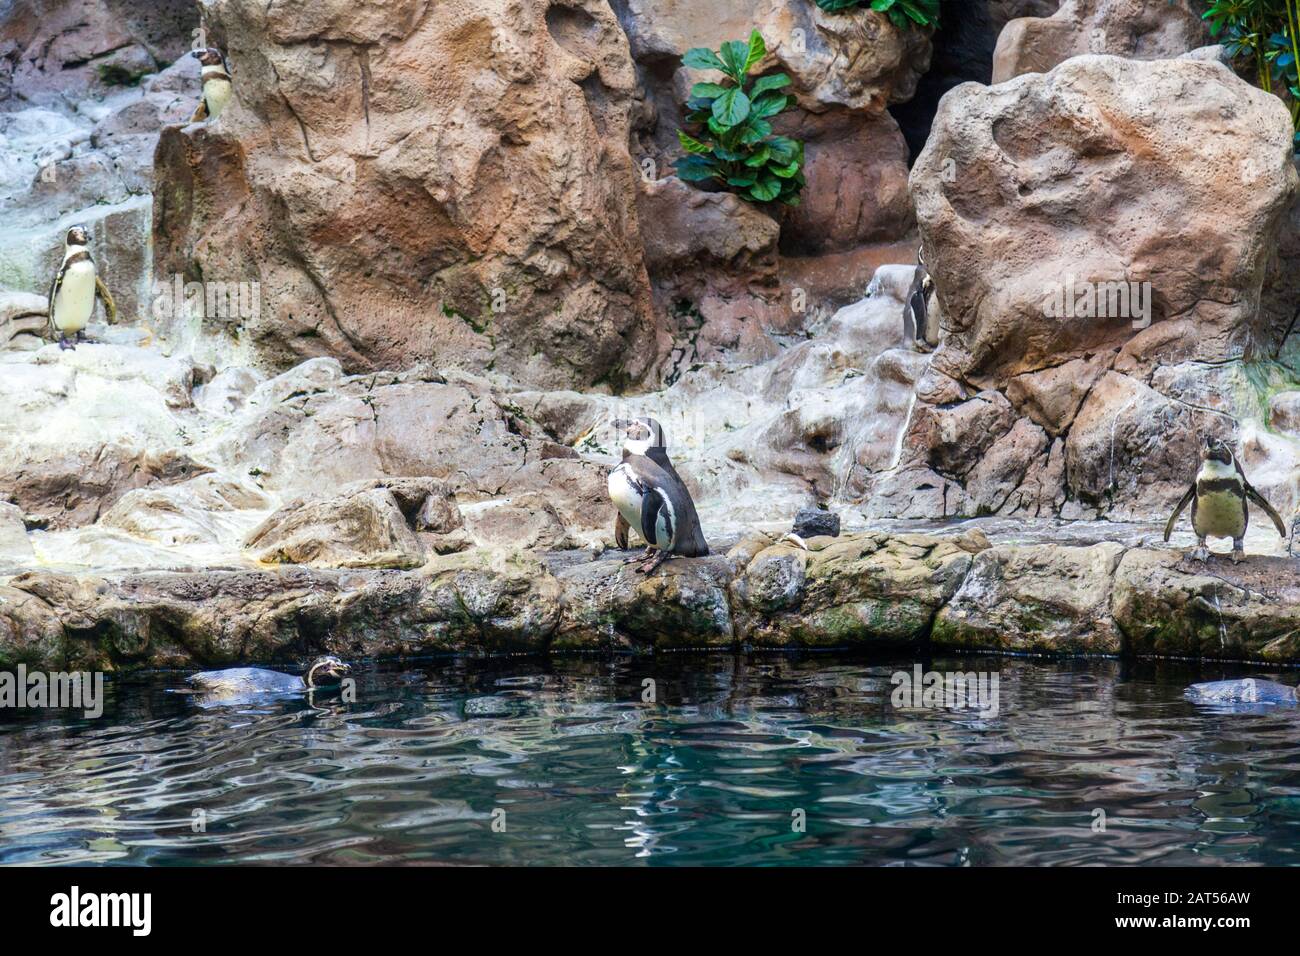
751,759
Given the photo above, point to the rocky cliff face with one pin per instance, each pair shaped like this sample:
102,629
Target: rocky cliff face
446,182
1050,206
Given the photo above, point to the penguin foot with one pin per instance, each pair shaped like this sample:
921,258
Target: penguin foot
634,558
1201,554
1238,556
65,345
658,558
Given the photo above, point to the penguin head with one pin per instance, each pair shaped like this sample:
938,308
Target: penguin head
328,669
210,56
642,434
1216,450
77,236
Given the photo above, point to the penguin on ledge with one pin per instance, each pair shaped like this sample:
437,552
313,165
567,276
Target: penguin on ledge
73,291
650,496
215,72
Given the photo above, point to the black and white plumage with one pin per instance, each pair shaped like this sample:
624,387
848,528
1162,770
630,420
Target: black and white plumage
1220,497
651,497
917,331
74,288
217,84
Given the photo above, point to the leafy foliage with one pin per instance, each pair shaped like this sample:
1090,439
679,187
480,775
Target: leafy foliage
902,13
733,144
1266,34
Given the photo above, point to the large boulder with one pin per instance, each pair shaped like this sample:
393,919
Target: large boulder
84,427
1138,29
421,181
1041,597
857,589
1167,604
1067,187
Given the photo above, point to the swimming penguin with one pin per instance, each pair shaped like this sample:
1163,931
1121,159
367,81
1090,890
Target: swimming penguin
243,683
917,330
73,291
1247,690
216,84
1220,498
650,496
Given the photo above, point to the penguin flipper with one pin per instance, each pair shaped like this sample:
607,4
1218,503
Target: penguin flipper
621,528
651,505
54,290
1267,508
110,307
1173,518
200,112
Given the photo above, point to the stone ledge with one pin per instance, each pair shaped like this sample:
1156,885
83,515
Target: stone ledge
868,589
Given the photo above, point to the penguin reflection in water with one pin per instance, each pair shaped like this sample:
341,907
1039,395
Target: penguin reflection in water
651,497
73,291
1220,498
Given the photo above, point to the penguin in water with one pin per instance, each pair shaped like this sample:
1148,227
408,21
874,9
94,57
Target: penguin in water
216,84
917,331
1220,498
650,496
73,291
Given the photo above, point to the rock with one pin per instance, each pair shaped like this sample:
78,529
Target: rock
1284,412
207,510
811,522
228,391
1168,605
14,546
84,427
1035,598
23,321
524,521
865,588
68,48
494,226
1129,28
363,527
30,631
684,604
856,168
1076,210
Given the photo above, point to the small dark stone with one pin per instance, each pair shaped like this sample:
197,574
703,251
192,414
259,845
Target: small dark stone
812,523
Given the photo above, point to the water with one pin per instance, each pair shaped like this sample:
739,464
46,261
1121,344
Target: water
565,755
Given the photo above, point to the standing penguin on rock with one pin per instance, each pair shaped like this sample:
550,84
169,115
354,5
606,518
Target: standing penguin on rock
73,291
1220,498
217,86
919,330
650,496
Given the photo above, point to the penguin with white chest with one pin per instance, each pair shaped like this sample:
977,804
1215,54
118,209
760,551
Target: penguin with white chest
73,291
1220,498
217,85
650,496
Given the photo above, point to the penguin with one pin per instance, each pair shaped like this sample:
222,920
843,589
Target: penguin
216,84
72,293
917,331
1220,497
650,496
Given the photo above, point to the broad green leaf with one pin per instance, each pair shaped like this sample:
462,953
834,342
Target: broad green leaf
785,172
777,81
743,181
769,104
761,157
702,58
734,55
691,144
766,189
784,149
707,91
757,50
695,169
732,108
755,131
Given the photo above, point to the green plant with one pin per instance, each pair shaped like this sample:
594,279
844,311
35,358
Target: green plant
734,145
1266,34
902,13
